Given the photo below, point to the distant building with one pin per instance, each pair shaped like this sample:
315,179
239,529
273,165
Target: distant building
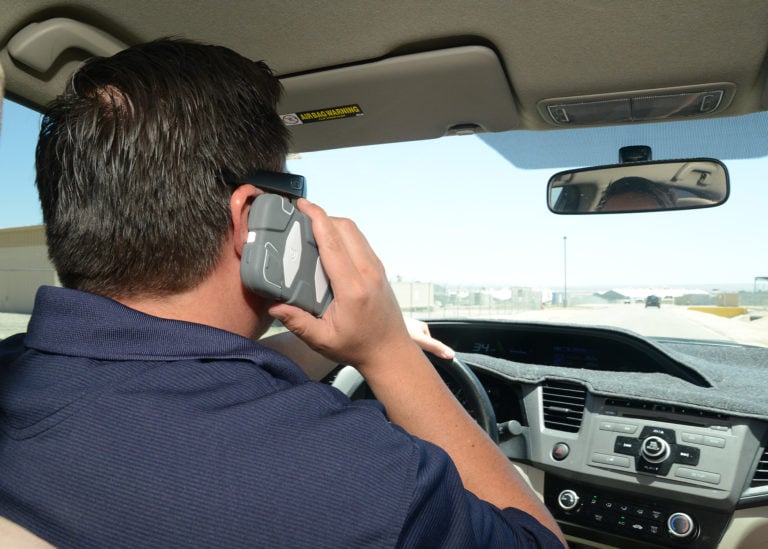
414,296
612,296
761,284
24,267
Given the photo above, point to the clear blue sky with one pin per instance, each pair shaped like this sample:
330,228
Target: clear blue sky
463,213
19,205
454,211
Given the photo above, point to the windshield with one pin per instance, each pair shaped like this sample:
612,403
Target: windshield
464,233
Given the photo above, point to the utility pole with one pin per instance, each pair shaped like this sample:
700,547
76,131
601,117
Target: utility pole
565,271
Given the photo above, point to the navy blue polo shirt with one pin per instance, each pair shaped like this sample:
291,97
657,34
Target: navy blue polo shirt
120,429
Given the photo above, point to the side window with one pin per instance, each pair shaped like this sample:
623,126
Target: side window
24,264
19,206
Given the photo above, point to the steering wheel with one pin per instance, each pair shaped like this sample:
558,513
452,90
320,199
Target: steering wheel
460,378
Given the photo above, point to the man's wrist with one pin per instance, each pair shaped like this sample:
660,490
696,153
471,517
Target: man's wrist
392,360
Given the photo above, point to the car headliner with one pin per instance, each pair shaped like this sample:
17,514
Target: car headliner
544,49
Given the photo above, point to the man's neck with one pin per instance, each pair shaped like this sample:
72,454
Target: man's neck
215,302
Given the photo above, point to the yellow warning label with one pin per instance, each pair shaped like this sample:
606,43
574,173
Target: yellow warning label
321,115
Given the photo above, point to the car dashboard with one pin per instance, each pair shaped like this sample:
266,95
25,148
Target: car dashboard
631,442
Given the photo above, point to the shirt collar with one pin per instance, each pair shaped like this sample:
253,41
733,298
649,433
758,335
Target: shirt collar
71,322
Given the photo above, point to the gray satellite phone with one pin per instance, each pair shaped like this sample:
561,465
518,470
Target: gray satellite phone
280,259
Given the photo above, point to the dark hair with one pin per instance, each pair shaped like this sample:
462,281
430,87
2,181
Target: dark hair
133,162
639,185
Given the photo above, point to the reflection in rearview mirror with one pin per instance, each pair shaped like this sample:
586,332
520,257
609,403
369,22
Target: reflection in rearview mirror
640,187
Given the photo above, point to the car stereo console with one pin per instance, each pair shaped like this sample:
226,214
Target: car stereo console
655,474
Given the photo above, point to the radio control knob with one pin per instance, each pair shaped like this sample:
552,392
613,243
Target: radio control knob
655,449
568,499
681,525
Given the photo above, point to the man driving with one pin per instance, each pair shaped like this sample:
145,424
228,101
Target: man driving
137,410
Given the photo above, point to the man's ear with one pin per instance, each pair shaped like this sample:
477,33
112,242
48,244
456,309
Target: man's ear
240,207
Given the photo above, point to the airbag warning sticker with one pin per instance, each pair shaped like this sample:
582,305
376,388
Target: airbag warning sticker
322,115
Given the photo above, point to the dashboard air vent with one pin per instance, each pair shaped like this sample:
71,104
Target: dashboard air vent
761,473
563,405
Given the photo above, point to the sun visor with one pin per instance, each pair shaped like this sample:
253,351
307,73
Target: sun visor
419,96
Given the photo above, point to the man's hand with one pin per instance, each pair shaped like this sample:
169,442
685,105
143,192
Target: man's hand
419,332
363,323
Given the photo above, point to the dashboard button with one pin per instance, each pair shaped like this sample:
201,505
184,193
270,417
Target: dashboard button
691,438
560,451
600,517
642,512
645,467
638,526
660,432
608,459
716,442
610,505
621,522
626,428
680,525
627,446
568,499
687,455
695,474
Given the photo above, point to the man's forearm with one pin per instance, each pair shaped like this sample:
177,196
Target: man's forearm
417,399
316,366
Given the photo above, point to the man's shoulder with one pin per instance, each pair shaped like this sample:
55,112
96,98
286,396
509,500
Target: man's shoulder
11,348
12,344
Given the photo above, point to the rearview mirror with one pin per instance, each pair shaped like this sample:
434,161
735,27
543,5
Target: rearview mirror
640,187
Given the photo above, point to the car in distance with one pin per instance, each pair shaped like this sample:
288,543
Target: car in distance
653,301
